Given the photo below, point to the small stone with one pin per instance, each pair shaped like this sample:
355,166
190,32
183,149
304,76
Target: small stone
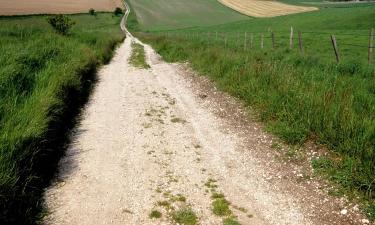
365,221
344,212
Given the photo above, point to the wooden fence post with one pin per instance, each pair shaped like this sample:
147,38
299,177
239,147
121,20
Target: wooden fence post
370,46
273,39
225,39
238,39
245,42
216,37
291,38
261,41
335,48
251,40
300,43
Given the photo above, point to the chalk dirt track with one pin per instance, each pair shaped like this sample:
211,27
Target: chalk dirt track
150,135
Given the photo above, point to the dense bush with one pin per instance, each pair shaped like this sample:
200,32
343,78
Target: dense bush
118,11
61,23
92,12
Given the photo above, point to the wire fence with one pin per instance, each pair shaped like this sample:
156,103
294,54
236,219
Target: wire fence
331,44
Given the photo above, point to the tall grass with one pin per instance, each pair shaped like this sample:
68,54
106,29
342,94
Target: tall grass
299,98
44,77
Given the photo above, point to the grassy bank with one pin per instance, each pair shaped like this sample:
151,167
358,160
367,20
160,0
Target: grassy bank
44,77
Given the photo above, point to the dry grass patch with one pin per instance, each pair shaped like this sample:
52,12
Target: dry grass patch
259,8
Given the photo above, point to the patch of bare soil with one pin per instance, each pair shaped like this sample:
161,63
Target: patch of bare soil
26,7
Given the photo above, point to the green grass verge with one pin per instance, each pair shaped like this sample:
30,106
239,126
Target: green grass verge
44,77
138,58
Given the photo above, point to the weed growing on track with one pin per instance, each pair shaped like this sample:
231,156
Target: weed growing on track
185,216
44,77
230,221
220,207
138,58
155,214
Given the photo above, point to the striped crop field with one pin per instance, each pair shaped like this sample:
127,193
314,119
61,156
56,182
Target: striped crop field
260,8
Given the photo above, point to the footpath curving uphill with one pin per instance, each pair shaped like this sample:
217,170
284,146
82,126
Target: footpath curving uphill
163,146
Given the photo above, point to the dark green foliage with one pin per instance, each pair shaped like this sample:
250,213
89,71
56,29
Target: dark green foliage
371,211
44,79
92,12
118,11
61,23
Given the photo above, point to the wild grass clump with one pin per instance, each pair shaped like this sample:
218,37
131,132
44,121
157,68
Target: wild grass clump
44,78
185,216
230,221
155,214
138,57
299,98
220,207
61,23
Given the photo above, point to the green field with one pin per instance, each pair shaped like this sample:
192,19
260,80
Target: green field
171,14
44,78
299,97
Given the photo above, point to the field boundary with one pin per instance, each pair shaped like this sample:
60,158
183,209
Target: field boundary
249,40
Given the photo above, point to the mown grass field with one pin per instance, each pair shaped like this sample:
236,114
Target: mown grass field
171,14
299,98
44,77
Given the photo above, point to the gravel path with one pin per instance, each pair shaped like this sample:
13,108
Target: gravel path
165,139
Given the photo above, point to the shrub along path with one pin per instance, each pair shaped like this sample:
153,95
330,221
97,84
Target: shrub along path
162,145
